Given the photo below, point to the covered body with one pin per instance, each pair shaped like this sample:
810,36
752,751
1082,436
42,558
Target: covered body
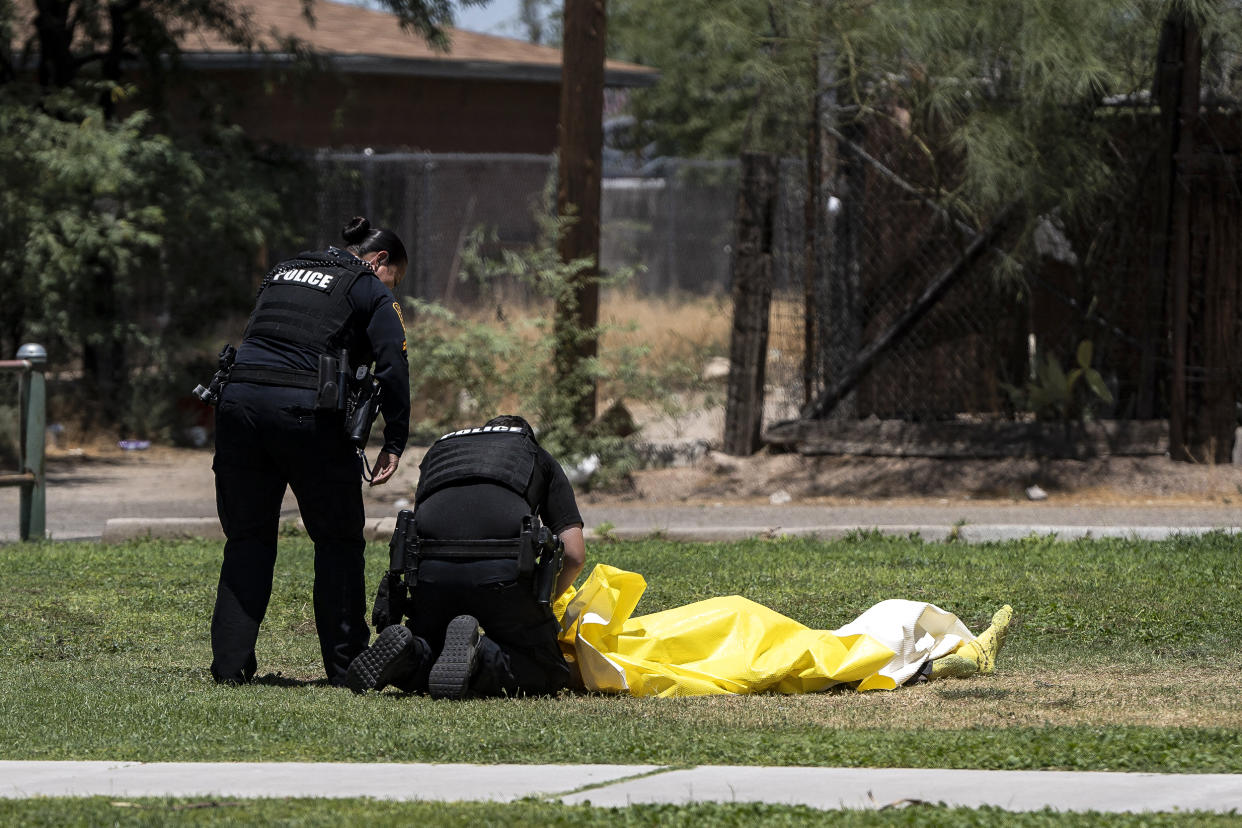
733,645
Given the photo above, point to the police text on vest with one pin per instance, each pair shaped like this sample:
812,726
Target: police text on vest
306,278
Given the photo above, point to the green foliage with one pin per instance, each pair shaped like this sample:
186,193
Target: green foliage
130,230
1005,97
10,435
734,75
429,18
1055,395
462,367
121,242
1015,90
124,238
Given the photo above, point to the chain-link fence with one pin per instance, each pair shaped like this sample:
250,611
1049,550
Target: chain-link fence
434,202
674,224
671,225
983,347
886,243
883,245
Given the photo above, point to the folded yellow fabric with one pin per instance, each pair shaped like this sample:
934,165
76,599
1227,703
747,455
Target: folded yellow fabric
721,645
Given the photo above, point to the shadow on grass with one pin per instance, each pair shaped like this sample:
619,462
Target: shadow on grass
279,680
973,693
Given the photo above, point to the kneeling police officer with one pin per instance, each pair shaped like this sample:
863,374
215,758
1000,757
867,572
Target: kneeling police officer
281,420
494,537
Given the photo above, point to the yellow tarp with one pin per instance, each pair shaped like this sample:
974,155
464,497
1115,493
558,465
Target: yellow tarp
721,645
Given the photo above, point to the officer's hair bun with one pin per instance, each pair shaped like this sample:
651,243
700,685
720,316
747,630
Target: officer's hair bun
356,230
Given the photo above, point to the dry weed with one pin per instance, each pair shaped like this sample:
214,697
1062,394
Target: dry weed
1196,698
673,329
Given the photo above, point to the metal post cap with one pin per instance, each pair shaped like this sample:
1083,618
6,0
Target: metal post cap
32,352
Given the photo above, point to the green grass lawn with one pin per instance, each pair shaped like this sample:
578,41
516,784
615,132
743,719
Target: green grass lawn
1124,657
55,813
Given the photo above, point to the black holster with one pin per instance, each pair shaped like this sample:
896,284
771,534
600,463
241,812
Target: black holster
548,563
363,407
392,597
333,391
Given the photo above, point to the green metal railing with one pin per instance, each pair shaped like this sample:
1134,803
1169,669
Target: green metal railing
31,362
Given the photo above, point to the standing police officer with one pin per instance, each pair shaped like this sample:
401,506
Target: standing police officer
480,494
277,424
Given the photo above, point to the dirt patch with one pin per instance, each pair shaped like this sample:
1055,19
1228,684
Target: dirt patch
1118,697
1099,480
714,476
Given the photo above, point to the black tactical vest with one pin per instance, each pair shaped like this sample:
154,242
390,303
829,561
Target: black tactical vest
497,454
305,302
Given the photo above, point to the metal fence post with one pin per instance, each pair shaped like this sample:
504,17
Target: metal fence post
33,435
752,302
423,243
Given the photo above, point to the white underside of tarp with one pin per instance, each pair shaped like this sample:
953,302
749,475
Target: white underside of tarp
915,630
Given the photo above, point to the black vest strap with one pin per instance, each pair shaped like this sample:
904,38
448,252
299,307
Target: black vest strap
498,454
275,376
472,550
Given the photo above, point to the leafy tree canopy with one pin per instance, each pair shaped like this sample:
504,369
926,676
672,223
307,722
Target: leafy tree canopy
1015,89
732,73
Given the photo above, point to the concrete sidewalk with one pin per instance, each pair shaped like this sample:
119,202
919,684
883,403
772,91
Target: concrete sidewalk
692,524
622,785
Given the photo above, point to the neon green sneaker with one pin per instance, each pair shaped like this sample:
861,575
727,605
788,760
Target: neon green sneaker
952,666
984,649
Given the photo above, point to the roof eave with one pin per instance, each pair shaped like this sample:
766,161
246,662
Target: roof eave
418,67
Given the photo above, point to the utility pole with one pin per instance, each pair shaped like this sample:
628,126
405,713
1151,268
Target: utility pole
578,195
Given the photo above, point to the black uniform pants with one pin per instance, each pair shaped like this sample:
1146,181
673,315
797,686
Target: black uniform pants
266,438
518,653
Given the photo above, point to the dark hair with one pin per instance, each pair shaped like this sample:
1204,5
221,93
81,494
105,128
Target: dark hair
512,421
363,239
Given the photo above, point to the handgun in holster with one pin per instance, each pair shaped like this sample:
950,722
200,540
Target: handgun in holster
362,407
224,366
547,554
392,597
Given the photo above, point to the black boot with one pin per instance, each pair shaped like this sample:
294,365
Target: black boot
450,677
394,656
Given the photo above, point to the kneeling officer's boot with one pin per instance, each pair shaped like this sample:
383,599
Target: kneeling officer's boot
450,676
393,659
